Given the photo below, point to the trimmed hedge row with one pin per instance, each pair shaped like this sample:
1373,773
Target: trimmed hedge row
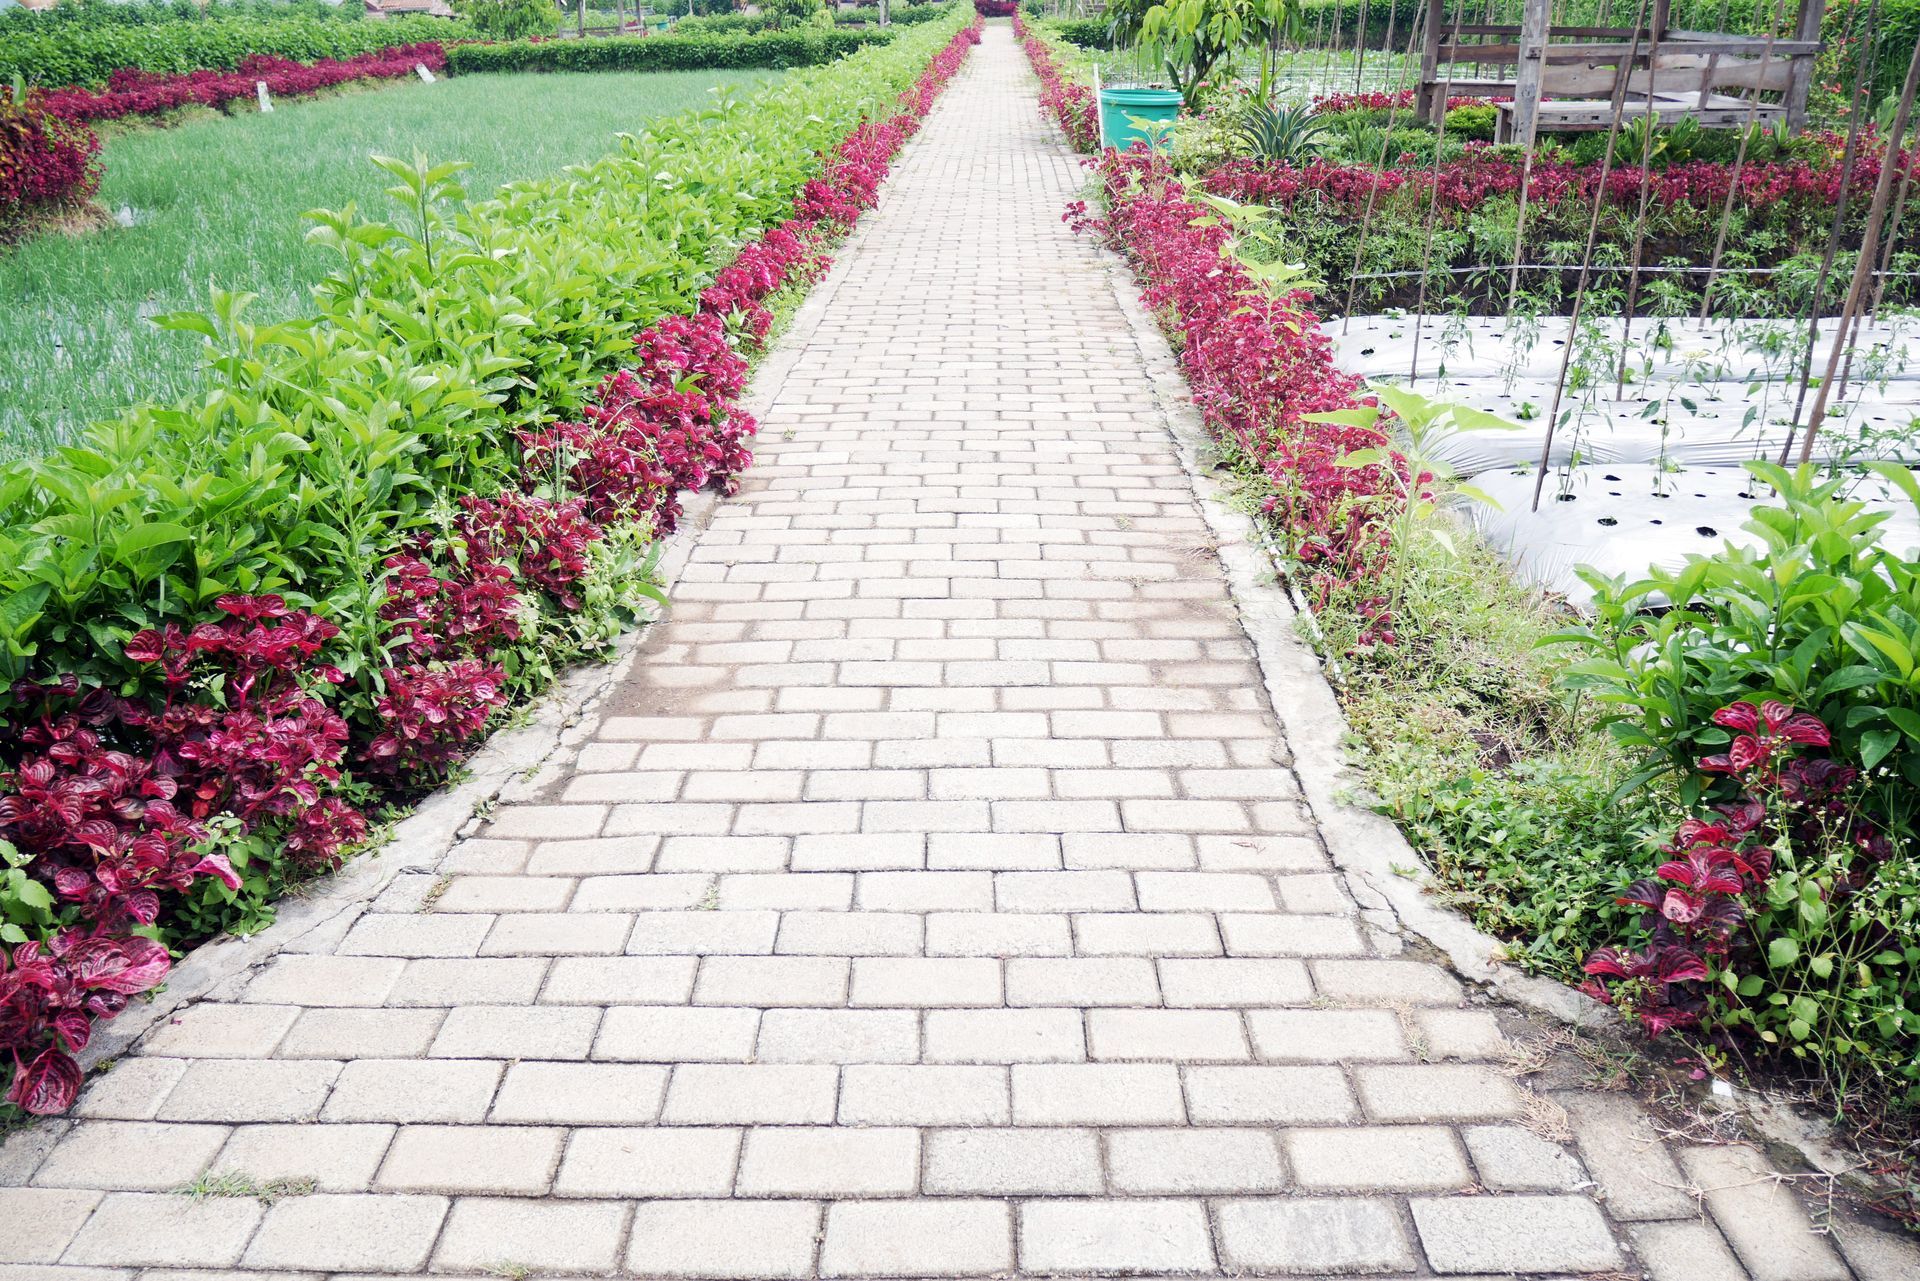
905,15
774,49
88,56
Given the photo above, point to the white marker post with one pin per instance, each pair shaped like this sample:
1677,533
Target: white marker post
425,75
266,102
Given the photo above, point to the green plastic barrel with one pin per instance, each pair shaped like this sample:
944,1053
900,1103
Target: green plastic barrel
1120,107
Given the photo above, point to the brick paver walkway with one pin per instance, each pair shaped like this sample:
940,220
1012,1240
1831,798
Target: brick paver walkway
934,901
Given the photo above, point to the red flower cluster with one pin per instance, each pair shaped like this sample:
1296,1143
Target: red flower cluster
45,161
132,92
1256,363
1466,183
1715,869
1070,103
113,800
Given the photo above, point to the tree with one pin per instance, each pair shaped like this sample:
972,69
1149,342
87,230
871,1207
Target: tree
1192,37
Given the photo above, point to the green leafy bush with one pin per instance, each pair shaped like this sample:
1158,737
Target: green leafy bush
311,449
1822,616
808,48
1472,122
510,19
88,55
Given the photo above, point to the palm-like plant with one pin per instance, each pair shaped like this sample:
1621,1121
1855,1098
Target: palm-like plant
1289,134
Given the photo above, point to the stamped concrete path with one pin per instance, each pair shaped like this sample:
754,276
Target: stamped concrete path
934,898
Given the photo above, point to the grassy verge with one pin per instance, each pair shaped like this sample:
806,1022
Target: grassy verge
221,200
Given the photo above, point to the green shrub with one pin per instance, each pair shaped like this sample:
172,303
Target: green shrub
73,14
1088,33
88,55
310,450
1821,616
510,19
809,48
1475,122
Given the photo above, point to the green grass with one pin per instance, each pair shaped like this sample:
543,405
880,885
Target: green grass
220,200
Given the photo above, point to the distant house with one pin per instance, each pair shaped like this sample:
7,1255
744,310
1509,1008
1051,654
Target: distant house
394,8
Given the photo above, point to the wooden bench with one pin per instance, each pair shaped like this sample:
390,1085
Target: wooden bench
1712,110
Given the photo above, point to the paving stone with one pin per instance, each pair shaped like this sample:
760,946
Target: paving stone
499,1159
924,1094
1437,1092
925,981
596,856
580,1094
750,1094
208,1031
1685,1250
1400,1158
839,1036
361,1033
1235,1095
1484,1234
1891,1255
1082,981
516,1031
1510,1159
1005,1036
771,980
127,1090
1096,1094
502,981
1375,982
338,1158
1313,1236
732,1240
857,852
665,1161
1129,851
946,1238
1115,1236
291,979
995,852
250,1090
1013,1162
703,933
1763,1222
983,934
1204,892
585,932
1182,1162
1064,892
1147,934
723,854
414,934
925,891
620,980
1182,1036
492,1235
849,934
1460,1034
506,894
667,1034
1638,1179
1234,982
413,1090
829,1161
787,891
39,1222
1271,934
156,1230
349,1233
1326,1036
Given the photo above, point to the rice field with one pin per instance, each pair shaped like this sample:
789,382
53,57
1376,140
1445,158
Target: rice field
219,202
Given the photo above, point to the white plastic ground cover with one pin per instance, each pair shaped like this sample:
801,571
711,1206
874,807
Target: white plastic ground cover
1623,518
1695,396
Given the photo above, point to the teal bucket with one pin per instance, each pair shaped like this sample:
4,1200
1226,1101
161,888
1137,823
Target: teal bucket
1119,108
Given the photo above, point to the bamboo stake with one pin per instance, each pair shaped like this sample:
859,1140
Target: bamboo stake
1526,162
1640,218
1869,247
1739,162
1433,203
1360,42
1373,188
1893,237
1586,259
1857,105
